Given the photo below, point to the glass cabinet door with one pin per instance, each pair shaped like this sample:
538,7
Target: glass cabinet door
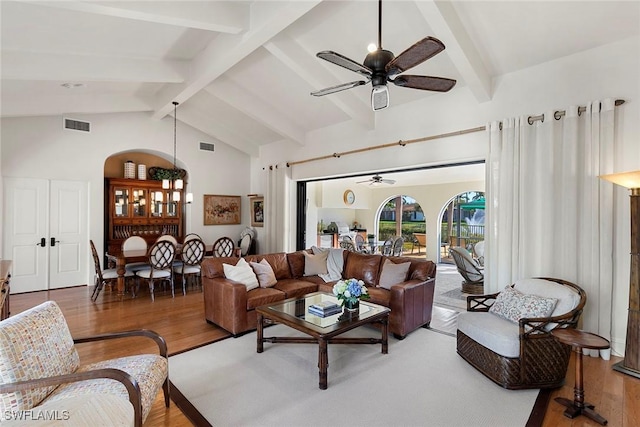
157,202
173,199
139,203
121,202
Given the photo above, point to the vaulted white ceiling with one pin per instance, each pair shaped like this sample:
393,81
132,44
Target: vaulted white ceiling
242,71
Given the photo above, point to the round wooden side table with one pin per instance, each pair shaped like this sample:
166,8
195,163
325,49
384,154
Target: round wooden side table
579,340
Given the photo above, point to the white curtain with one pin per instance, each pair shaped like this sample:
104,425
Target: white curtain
276,201
550,215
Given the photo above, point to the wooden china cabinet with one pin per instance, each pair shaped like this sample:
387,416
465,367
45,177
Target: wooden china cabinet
140,208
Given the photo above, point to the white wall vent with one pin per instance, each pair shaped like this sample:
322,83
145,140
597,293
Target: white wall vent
72,124
207,146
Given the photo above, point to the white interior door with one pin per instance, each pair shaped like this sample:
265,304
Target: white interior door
37,210
68,246
26,224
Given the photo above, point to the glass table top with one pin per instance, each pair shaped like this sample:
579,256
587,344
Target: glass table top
299,308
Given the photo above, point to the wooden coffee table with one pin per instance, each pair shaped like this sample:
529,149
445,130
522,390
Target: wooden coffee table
322,330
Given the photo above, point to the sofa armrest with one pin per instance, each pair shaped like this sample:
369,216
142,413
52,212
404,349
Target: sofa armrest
133,389
162,344
225,303
411,304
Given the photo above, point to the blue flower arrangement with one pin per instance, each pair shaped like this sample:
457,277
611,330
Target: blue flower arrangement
350,291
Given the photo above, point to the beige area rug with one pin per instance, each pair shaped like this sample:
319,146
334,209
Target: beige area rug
422,381
448,291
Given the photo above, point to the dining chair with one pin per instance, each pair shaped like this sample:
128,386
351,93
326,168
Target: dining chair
161,257
360,244
223,247
135,243
169,238
191,236
103,276
348,245
245,244
398,246
192,256
387,247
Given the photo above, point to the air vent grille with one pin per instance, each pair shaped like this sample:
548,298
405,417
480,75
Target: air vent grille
72,124
206,146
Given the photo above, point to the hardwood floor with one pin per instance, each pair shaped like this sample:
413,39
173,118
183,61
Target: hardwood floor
181,321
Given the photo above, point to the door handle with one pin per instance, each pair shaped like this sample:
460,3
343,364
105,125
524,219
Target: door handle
43,242
54,241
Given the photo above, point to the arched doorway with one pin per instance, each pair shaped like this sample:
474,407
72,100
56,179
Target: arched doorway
461,222
400,215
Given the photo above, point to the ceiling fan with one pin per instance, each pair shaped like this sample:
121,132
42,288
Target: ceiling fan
380,67
377,180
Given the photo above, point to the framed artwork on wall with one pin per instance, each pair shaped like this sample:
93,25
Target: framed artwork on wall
257,211
221,210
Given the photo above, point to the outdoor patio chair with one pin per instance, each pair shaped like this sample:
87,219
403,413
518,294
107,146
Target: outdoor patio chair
478,252
472,273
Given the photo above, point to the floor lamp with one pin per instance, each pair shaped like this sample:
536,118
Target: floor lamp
631,363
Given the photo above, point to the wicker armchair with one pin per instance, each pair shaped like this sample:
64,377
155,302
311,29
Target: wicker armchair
472,273
524,354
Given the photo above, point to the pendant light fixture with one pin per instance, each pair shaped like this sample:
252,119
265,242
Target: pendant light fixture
175,184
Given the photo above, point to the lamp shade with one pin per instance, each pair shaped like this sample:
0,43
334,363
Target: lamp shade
629,180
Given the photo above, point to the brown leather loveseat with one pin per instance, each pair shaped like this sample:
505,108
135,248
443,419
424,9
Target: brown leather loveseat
229,305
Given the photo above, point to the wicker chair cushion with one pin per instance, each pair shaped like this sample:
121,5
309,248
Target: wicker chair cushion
568,299
493,332
34,344
150,370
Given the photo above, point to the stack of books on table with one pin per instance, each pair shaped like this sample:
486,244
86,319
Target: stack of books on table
325,308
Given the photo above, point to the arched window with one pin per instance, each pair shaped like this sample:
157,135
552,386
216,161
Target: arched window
462,221
400,215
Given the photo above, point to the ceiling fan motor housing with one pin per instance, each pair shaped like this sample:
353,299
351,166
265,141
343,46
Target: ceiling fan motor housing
377,61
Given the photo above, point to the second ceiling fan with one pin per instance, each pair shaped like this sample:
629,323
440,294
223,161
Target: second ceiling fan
380,67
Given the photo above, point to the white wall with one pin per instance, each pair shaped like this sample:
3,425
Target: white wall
38,147
609,71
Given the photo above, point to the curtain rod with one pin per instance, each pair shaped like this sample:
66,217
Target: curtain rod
558,115
391,144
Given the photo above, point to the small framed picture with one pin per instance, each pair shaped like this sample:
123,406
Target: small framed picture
256,205
220,210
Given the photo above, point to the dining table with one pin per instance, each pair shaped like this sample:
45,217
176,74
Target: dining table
122,258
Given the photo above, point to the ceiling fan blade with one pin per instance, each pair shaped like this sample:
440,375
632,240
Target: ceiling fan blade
388,181
338,88
438,84
344,62
414,55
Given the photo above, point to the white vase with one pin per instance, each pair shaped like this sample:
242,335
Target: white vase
142,171
129,170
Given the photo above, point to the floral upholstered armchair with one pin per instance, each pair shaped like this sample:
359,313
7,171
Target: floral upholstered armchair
40,368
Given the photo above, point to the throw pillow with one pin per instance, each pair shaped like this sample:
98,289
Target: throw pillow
393,273
266,276
241,272
315,263
513,305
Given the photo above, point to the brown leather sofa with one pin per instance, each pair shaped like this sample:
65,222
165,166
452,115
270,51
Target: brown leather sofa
229,305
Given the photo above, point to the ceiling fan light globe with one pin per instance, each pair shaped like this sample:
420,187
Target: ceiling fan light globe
379,97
